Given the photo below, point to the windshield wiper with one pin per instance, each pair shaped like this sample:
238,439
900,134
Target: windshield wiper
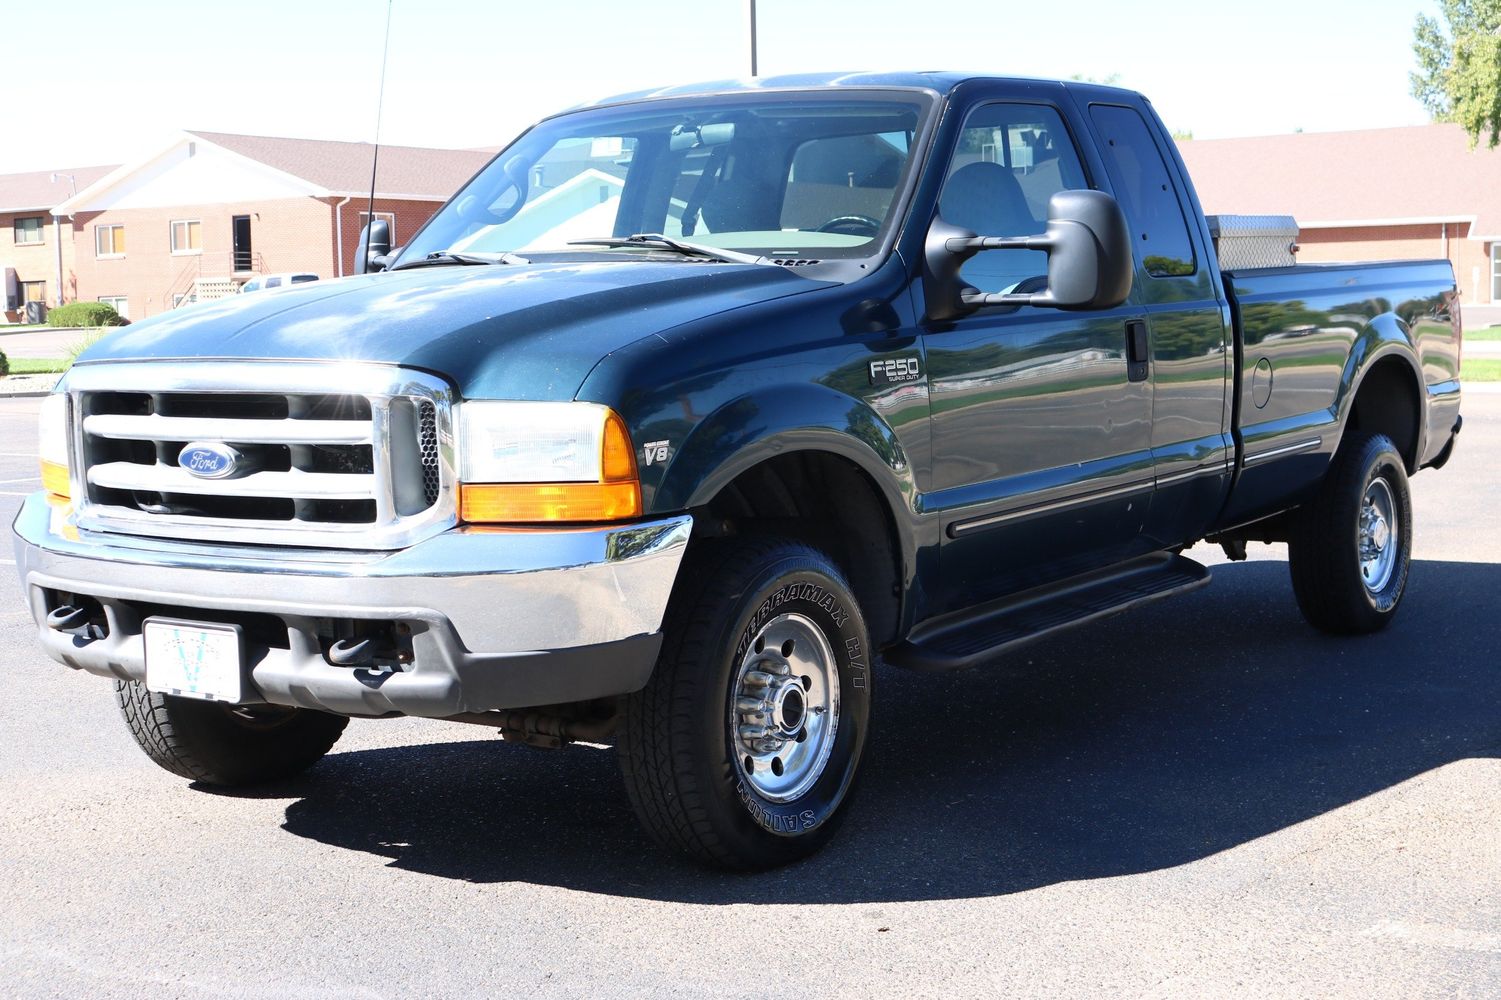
440,257
656,241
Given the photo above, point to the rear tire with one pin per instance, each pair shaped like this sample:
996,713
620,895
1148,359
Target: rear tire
221,744
742,750
1349,550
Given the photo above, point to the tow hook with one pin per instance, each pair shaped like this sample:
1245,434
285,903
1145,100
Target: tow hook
72,620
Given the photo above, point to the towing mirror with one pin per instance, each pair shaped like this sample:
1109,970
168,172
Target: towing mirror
374,245
1089,259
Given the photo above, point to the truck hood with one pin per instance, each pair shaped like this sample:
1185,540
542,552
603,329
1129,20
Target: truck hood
519,331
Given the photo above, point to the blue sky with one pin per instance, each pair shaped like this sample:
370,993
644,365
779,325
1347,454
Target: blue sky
100,81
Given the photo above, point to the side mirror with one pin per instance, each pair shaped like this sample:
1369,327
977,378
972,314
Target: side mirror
374,245
1089,259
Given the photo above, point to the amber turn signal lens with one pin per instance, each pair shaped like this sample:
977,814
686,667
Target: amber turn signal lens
55,479
531,503
618,458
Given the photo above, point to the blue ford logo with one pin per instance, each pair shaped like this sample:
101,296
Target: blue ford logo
209,460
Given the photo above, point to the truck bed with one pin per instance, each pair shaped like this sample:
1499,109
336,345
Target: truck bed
1298,329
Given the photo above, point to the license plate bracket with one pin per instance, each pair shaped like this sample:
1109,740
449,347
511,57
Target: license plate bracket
203,660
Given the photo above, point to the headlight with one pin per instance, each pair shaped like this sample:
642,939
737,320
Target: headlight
52,428
529,462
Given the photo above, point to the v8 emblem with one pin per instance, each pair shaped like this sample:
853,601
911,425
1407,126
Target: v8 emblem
655,453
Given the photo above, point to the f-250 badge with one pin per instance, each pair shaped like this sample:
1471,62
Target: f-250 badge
894,371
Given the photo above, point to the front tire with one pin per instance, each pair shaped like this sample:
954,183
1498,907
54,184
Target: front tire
1350,549
742,750
221,744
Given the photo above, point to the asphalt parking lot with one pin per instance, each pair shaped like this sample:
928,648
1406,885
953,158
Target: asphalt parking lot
1203,798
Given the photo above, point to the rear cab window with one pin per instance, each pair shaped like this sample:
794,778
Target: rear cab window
1144,187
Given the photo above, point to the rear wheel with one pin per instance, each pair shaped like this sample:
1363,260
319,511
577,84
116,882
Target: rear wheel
742,750
1350,549
221,744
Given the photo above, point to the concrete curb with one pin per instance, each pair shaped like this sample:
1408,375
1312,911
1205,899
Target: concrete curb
28,386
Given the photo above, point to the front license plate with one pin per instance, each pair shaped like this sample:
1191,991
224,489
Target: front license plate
193,659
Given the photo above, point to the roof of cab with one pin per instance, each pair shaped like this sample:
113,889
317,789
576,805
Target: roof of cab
940,81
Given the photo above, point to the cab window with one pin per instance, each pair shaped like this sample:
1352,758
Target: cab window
1010,160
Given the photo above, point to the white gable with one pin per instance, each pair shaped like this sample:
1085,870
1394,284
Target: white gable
191,172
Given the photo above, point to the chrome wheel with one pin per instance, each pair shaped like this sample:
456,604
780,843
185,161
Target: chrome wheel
1379,535
784,708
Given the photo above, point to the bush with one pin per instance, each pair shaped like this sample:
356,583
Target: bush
85,314
4,364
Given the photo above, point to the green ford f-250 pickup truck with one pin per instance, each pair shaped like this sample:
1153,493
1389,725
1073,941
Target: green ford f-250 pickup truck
696,404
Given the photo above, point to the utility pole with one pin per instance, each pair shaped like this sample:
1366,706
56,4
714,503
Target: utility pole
750,26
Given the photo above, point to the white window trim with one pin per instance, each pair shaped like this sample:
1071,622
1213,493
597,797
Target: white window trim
111,300
41,232
388,216
172,237
106,256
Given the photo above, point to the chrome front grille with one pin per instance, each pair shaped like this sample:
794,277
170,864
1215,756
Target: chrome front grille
353,456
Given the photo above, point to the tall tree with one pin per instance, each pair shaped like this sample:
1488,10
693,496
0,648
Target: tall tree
1459,66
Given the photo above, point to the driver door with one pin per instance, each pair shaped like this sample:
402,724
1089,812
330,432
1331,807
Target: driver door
1041,434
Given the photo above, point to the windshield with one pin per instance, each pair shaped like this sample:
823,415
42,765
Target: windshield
788,175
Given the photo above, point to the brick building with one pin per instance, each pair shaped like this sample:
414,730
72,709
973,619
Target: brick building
1380,194
202,216
34,249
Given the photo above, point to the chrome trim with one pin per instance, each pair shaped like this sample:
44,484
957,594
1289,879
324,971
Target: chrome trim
295,484
1292,449
381,384
1218,469
501,591
959,528
155,428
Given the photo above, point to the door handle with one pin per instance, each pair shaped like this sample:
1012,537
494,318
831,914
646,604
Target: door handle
1138,350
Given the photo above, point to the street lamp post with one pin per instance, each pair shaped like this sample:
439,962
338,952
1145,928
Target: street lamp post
750,27
57,233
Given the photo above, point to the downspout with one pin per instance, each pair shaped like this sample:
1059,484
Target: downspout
1444,229
339,233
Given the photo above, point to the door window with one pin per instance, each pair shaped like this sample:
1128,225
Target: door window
1496,272
1011,159
1145,189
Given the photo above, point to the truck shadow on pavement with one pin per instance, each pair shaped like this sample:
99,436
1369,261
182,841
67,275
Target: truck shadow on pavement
1139,743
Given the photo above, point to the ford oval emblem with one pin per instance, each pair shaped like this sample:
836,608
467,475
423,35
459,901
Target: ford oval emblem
209,459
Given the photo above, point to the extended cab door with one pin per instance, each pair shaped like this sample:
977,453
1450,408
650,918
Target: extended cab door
1188,321
1041,429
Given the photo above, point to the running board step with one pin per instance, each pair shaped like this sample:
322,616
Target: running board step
958,642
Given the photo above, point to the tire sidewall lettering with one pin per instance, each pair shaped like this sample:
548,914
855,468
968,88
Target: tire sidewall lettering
830,611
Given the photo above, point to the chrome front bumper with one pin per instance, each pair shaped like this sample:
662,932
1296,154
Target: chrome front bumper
497,618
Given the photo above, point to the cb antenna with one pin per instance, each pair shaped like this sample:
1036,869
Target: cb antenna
380,100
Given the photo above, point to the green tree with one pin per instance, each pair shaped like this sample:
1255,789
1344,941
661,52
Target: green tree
1459,66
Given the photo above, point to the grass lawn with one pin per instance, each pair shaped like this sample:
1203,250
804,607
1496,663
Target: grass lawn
1481,370
37,366
1489,333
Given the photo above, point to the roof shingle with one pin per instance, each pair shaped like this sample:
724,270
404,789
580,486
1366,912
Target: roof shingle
344,167
36,191
1390,174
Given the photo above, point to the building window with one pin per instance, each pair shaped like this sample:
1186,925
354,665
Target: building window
33,291
109,241
185,236
1496,272
29,231
390,218
120,302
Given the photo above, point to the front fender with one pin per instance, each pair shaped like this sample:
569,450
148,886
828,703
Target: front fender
754,427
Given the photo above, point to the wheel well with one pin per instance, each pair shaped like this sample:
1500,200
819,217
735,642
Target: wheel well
1387,403
829,503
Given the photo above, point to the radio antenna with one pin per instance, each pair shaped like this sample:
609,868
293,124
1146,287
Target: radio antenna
380,100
